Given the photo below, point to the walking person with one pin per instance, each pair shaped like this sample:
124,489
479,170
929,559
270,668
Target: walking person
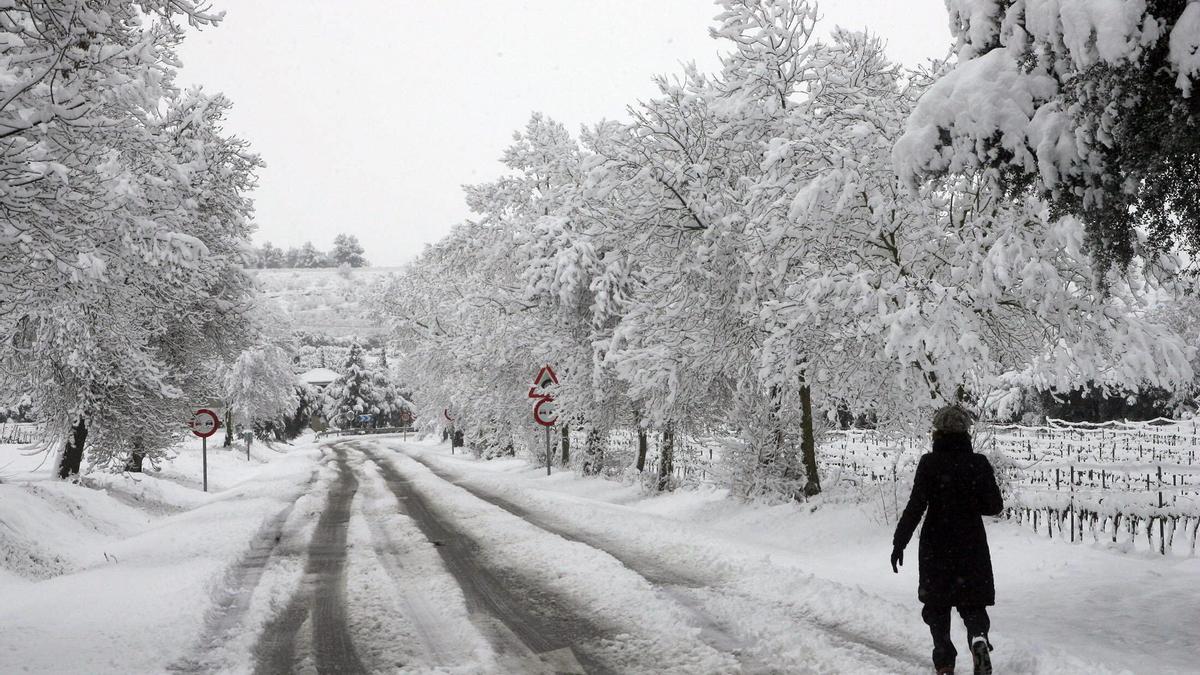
954,488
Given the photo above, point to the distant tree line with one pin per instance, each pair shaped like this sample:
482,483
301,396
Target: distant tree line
346,251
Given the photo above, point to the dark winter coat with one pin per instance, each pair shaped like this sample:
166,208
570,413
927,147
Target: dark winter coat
954,487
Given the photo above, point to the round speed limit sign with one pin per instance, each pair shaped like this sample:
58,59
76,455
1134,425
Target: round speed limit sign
204,423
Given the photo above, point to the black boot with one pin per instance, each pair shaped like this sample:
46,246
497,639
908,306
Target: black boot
980,654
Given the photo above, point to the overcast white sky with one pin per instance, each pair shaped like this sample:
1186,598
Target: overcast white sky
371,114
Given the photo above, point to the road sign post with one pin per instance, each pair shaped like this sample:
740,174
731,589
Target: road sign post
543,410
204,423
446,414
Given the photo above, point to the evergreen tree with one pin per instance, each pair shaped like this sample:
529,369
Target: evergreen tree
296,422
347,251
354,393
394,407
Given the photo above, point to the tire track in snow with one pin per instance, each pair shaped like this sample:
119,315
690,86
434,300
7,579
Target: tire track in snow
443,641
320,600
685,588
531,641
231,598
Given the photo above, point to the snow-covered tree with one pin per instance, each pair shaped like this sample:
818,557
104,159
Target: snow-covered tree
260,387
270,256
307,256
395,409
347,251
742,257
125,226
354,392
1091,105
956,291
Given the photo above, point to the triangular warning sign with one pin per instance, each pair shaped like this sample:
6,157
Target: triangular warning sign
546,376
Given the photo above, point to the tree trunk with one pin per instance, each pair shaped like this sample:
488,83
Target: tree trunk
228,428
666,461
136,457
594,453
72,456
776,417
566,444
642,447
808,446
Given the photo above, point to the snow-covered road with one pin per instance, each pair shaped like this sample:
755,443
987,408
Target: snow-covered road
695,587
512,590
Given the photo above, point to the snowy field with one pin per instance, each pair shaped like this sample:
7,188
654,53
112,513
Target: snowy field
148,574
328,301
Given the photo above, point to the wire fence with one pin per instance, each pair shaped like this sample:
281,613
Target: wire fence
16,433
1119,482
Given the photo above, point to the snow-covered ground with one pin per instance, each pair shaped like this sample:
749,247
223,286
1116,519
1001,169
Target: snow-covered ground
121,574
350,549
1061,607
326,301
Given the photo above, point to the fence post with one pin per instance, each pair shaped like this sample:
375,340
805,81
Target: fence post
1162,542
1071,504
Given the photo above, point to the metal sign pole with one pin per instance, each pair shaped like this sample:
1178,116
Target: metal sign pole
204,459
542,381
204,423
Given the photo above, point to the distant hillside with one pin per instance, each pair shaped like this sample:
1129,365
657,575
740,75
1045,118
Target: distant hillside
325,301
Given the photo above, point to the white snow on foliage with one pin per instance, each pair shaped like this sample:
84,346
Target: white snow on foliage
1184,47
1009,55
978,98
1089,30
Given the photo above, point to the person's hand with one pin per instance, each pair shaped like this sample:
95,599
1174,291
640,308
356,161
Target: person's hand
897,559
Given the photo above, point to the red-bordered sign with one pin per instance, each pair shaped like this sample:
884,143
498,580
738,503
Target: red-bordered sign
543,410
204,423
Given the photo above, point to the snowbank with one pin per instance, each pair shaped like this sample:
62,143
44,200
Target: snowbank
117,578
